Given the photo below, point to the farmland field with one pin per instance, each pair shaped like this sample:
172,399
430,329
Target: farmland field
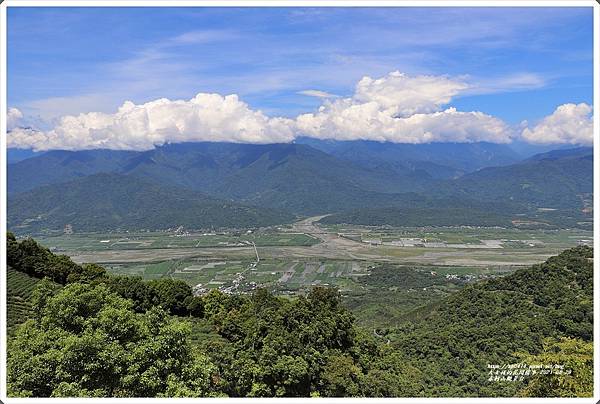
384,273
167,240
292,259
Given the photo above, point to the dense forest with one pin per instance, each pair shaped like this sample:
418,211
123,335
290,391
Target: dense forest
88,333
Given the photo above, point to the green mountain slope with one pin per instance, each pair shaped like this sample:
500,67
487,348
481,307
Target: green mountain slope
425,211
557,182
490,322
292,177
547,190
19,289
111,201
60,166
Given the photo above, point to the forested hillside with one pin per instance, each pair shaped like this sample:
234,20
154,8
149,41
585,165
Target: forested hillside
438,159
103,335
493,321
498,196
430,212
111,201
361,183
551,180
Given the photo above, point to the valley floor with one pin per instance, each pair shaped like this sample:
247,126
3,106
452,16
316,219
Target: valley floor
291,259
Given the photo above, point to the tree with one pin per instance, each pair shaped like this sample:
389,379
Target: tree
195,306
86,273
340,377
133,288
88,341
576,357
277,346
43,291
13,252
171,294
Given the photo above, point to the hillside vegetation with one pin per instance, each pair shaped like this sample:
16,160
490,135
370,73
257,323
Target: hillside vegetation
264,345
211,184
491,322
430,212
557,181
19,291
110,201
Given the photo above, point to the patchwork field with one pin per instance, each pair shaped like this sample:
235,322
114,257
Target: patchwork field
384,273
168,240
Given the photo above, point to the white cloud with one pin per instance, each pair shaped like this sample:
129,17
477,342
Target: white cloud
202,37
26,138
13,118
206,117
403,109
512,82
367,122
395,108
317,93
401,95
569,123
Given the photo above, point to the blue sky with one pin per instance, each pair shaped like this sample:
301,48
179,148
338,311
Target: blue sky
521,63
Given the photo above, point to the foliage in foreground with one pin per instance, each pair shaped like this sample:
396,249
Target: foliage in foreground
87,341
490,322
19,288
118,336
575,356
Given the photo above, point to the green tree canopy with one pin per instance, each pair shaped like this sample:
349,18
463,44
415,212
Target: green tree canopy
576,377
88,341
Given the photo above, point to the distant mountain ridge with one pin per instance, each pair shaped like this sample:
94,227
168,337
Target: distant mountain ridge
563,153
555,179
439,160
102,202
301,180
59,166
15,155
201,165
291,177
548,189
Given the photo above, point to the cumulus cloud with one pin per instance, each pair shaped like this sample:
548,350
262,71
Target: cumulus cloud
206,117
401,95
367,122
14,118
26,138
569,123
403,109
395,108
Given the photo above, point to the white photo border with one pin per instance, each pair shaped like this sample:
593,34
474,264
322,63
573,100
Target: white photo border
293,3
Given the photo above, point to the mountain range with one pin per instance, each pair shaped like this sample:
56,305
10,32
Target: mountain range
102,202
374,181
438,159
